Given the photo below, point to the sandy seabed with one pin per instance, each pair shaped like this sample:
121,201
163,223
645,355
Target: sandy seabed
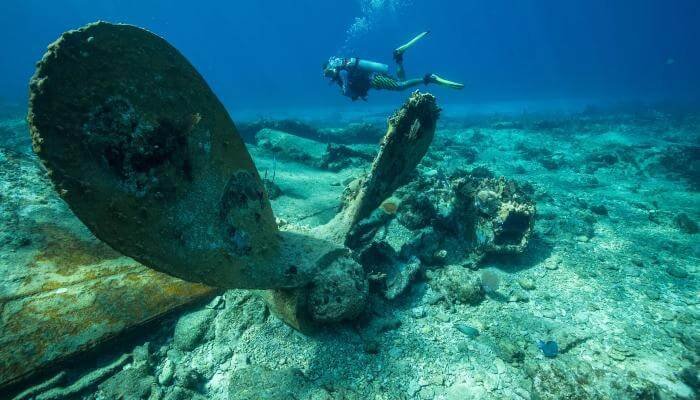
610,275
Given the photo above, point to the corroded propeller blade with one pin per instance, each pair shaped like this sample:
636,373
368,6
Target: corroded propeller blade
409,134
148,158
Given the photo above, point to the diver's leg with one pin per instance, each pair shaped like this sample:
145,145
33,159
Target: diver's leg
400,71
388,83
398,54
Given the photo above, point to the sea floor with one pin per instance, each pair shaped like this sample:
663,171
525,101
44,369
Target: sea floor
610,276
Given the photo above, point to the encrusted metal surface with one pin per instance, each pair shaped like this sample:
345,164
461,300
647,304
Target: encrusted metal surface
140,148
63,307
62,291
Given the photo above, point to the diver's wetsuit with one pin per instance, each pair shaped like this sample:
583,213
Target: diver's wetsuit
355,83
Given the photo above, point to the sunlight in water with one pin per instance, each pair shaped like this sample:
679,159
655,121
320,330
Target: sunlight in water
372,13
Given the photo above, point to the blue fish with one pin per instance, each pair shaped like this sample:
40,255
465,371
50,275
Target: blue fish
550,348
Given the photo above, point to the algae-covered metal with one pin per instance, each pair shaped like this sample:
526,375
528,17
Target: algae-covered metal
409,133
62,291
74,293
147,157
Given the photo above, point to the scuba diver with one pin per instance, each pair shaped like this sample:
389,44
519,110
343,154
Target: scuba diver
356,76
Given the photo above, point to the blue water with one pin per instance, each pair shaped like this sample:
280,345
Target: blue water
602,303
268,54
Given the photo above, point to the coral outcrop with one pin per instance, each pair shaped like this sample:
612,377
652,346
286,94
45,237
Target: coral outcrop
450,220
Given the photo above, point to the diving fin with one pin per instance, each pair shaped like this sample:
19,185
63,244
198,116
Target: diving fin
401,49
432,78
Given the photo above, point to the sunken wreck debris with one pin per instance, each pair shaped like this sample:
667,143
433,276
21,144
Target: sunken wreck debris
141,148
450,220
409,134
435,221
137,158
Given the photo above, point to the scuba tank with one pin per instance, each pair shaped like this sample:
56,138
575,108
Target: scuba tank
356,63
368,66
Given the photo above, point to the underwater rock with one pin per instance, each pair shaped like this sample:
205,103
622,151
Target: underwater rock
685,224
387,269
208,361
462,391
32,392
417,211
339,292
682,161
247,311
142,356
505,226
353,133
167,372
85,382
190,329
179,393
301,129
290,147
526,283
458,285
258,382
338,157
131,383
187,377
556,381
677,272
401,277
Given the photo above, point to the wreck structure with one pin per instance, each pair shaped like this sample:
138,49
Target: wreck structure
147,157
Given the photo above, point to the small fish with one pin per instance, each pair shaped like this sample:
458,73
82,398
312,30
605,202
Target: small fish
470,331
550,348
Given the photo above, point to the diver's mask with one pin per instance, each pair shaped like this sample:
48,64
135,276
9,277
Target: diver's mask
333,66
